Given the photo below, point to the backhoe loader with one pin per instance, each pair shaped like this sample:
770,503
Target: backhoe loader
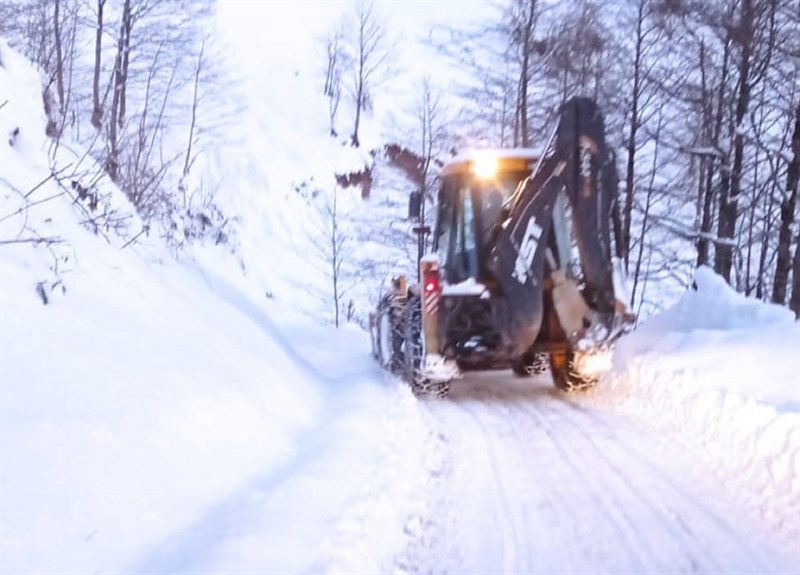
520,272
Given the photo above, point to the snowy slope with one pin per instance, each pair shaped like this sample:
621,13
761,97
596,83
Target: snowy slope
125,396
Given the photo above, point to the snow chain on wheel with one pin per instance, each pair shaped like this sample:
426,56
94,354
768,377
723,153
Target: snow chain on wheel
565,377
540,363
413,352
438,389
390,333
531,364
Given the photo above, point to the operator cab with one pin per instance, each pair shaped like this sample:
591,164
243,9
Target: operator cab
476,196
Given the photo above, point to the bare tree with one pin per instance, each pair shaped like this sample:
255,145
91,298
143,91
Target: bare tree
729,197
788,209
119,82
331,239
432,136
45,31
371,51
648,205
646,36
499,55
523,17
431,131
58,41
97,107
576,50
142,179
187,163
711,163
333,73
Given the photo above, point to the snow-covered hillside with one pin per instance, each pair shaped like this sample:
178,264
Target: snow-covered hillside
163,415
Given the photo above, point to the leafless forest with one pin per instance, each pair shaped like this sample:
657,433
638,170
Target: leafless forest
701,97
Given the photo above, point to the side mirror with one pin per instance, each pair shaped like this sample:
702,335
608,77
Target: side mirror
414,205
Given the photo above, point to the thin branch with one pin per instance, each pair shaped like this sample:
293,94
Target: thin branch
55,240
145,229
30,205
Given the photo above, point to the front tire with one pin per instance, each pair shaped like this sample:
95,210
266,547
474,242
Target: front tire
565,376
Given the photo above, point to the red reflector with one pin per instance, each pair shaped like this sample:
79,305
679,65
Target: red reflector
432,283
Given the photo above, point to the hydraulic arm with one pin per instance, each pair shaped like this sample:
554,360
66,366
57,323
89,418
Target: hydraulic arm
575,168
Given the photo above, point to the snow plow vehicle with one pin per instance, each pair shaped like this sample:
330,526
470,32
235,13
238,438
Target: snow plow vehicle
520,272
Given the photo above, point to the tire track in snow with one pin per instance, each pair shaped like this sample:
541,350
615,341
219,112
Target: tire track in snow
510,555
618,522
738,552
567,489
541,540
621,459
616,483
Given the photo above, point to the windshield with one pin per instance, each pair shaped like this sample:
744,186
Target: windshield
470,212
492,195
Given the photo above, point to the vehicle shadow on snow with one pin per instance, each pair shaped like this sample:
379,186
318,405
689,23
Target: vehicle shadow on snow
503,387
322,370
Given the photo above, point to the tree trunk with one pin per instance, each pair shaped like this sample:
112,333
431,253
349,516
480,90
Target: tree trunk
112,164
126,54
117,100
751,227
707,210
335,257
794,302
359,97
59,56
188,160
729,204
627,212
788,208
616,226
524,79
97,109
765,239
707,218
360,75
648,203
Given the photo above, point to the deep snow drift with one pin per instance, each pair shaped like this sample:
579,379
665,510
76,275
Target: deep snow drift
722,371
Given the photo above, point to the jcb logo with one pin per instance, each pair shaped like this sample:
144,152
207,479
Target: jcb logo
530,241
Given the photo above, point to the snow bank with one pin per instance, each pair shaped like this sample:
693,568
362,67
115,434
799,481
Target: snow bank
143,394
721,371
739,344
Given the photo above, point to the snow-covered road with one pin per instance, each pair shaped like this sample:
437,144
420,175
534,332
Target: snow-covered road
530,481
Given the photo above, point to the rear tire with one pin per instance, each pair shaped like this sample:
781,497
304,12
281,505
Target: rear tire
413,352
389,337
565,377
